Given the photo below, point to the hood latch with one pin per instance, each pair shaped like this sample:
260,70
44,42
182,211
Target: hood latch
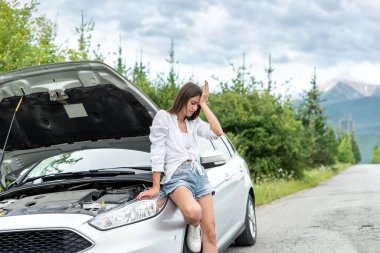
58,95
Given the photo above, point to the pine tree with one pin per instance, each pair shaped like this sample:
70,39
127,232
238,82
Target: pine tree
355,149
345,154
167,87
242,83
313,118
140,77
173,76
331,147
121,67
98,55
84,40
269,70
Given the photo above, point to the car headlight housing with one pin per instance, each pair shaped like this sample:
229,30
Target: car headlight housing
128,213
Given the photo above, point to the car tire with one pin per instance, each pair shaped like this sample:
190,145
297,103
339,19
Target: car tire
248,237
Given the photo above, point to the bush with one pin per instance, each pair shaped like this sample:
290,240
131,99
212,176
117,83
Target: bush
264,132
375,156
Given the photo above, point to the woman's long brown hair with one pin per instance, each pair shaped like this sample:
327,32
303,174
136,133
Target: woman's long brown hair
186,92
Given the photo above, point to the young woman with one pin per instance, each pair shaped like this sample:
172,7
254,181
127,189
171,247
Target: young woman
174,152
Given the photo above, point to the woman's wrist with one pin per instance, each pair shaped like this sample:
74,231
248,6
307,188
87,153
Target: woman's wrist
156,187
203,104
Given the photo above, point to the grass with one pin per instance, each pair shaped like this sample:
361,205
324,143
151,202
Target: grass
266,192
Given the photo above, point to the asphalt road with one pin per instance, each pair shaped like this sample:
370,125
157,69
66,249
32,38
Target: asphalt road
340,215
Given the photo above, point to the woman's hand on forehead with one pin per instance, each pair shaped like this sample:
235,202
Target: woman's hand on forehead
205,93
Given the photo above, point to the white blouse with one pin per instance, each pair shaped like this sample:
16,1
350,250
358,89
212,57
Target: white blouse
168,149
186,140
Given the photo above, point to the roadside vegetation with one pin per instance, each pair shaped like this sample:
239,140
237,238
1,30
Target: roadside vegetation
266,192
286,148
375,156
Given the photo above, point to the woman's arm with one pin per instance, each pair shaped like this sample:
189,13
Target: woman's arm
155,190
158,136
211,118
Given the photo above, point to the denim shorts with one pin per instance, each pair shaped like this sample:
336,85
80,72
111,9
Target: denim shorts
188,176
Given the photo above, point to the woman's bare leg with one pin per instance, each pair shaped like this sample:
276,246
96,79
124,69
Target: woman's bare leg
208,224
190,209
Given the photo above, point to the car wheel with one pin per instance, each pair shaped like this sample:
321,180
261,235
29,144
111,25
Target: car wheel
248,237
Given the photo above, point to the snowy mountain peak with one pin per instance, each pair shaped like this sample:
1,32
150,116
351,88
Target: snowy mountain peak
363,89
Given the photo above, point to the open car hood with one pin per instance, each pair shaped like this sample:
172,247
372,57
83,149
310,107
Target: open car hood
69,106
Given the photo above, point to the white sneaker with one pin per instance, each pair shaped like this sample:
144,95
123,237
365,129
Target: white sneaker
194,238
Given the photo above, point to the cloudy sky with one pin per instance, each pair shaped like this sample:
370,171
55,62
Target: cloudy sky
340,37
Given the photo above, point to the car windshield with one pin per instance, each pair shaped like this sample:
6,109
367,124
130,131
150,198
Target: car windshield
89,160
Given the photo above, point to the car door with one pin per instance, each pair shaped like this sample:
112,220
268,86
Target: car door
231,193
236,170
218,179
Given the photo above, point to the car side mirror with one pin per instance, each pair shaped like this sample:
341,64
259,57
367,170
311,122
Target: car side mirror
212,158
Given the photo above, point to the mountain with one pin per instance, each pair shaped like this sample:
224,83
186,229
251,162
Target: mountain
343,89
345,101
364,113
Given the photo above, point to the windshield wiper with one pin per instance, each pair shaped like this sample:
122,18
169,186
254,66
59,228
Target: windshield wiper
124,167
79,174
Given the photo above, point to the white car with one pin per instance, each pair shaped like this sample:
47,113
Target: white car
76,156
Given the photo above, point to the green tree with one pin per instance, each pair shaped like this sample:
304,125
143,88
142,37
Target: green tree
314,120
25,38
331,146
98,55
270,85
140,77
345,153
375,156
167,87
262,127
84,40
355,149
243,82
173,77
121,67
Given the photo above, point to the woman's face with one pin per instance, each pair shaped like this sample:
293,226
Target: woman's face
191,106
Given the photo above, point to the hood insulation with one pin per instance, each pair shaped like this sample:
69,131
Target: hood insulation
88,114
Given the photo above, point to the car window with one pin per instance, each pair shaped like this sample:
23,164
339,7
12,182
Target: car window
204,144
219,145
229,145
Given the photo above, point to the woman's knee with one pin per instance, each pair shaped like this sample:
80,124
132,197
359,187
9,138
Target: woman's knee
193,214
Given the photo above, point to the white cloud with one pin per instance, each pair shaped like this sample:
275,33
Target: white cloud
339,37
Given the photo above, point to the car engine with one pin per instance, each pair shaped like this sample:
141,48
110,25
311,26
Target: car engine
87,201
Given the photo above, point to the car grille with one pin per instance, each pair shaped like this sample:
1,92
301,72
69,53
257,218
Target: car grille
43,241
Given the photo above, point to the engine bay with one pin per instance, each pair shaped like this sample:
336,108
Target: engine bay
92,201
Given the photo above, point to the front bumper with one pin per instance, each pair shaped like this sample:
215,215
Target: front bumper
163,233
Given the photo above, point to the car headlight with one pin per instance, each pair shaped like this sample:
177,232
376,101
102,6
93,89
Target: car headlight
128,213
